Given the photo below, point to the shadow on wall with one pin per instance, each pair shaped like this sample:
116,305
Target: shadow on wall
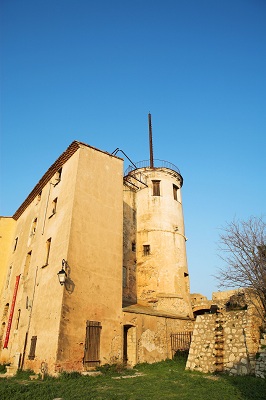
129,256
69,284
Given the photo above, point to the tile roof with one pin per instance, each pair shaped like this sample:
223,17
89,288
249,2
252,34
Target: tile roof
140,309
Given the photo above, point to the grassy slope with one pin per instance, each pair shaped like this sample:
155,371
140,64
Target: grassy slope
165,380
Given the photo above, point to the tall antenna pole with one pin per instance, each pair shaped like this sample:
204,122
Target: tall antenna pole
150,136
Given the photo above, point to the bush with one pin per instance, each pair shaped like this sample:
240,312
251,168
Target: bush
70,375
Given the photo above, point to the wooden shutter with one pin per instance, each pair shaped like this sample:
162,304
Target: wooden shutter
32,347
92,344
156,188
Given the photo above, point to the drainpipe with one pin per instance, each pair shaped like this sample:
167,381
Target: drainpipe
27,332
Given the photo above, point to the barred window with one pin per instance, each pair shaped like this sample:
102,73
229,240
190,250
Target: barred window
146,249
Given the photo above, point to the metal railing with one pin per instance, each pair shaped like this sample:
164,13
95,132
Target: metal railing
157,164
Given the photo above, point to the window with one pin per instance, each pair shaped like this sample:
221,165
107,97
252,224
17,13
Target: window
175,189
124,277
133,246
15,244
54,205
8,276
32,348
27,265
48,247
156,188
39,197
146,249
18,318
58,176
33,227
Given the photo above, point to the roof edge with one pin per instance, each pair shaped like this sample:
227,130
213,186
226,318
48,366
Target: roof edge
61,160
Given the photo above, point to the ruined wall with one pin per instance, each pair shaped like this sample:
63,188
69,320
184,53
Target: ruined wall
153,335
225,341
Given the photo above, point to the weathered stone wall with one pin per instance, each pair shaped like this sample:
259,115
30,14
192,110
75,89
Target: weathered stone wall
226,341
152,342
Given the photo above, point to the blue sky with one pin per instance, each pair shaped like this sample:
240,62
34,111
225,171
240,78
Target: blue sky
92,71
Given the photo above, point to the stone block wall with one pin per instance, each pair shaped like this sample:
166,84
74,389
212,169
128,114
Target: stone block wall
226,341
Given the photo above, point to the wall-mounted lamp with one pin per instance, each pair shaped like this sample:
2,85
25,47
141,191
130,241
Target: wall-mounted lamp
62,275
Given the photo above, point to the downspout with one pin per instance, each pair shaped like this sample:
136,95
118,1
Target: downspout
27,332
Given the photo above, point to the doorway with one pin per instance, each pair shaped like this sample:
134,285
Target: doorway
130,345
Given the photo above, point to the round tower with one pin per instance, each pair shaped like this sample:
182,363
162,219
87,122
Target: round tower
161,272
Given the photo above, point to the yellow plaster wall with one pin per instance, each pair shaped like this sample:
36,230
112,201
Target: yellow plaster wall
39,296
7,227
95,261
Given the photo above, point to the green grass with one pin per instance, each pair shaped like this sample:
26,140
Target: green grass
164,380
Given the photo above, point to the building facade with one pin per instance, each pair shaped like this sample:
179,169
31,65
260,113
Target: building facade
120,243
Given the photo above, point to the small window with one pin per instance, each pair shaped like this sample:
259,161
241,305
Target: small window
156,188
175,189
58,176
8,276
27,265
146,249
54,205
18,318
124,277
33,227
15,244
39,196
32,347
5,312
133,246
48,247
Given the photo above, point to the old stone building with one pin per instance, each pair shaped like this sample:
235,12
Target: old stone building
118,245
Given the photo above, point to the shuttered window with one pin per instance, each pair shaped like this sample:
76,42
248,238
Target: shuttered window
156,188
32,347
92,344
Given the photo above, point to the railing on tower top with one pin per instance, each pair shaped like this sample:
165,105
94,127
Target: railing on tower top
157,164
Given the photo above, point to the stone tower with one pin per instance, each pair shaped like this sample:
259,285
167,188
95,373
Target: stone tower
155,264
